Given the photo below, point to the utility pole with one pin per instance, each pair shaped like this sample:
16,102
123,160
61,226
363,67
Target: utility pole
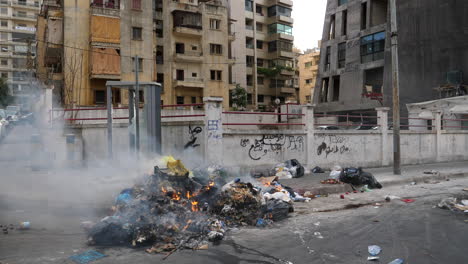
396,90
29,63
137,107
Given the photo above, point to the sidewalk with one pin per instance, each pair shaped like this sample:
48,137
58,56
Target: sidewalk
410,173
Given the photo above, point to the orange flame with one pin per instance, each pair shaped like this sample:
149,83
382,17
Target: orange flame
176,196
194,206
188,195
211,184
163,190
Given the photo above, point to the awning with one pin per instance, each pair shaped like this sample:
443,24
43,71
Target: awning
459,109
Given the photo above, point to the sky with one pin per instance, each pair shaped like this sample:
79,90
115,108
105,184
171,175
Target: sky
308,22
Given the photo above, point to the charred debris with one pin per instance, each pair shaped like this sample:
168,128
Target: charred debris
174,208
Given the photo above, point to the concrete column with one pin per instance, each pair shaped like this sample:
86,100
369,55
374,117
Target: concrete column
309,121
213,130
438,128
382,121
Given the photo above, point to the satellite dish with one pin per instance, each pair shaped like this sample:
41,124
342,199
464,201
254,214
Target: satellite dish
277,101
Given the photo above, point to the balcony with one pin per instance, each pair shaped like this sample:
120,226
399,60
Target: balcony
284,2
285,19
25,5
22,17
191,56
287,72
285,54
287,90
109,8
189,82
186,31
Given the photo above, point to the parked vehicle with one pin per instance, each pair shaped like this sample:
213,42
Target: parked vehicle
12,112
328,128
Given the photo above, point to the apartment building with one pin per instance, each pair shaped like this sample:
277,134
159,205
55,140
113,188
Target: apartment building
308,64
17,38
355,72
192,52
83,44
263,40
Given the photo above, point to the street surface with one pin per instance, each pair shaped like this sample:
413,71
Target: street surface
326,230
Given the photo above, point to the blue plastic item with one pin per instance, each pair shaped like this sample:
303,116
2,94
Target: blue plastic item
124,197
374,250
87,257
397,261
261,222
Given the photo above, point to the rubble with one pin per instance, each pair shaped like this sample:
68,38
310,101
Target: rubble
454,204
174,208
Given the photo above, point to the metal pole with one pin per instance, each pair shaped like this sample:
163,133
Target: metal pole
396,90
137,107
109,122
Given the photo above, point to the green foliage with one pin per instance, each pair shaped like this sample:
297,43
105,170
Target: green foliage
273,71
5,97
239,98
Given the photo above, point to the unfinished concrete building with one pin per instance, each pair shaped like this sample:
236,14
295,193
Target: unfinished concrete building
192,52
83,44
308,64
263,39
355,66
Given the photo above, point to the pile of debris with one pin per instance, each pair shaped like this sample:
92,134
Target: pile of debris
454,204
174,208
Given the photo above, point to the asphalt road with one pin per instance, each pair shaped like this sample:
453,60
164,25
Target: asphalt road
416,232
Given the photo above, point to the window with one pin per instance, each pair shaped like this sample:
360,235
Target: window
4,62
260,80
141,96
249,5
279,11
259,10
342,2
279,28
4,48
249,43
194,74
281,62
336,89
372,47
259,44
308,64
260,62
249,99
216,75
4,36
331,30
341,55
216,49
260,98
194,100
249,80
373,80
3,11
327,59
194,47
249,24
215,23
364,15
180,48
180,75
99,97
159,54
179,100
249,60
136,33
22,14
4,23
324,91
344,22
308,81
159,25
187,19
160,79
378,12
136,4
280,45
140,64
4,75
259,27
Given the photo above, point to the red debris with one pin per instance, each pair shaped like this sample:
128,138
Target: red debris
408,200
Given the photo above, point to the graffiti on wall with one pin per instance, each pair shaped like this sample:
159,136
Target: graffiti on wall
272,144
332,144
193,137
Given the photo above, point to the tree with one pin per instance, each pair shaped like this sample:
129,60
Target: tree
239,98
5,96
273,72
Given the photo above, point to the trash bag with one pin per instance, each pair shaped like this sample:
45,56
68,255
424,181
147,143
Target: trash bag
278,210
295,168
318,170
357,177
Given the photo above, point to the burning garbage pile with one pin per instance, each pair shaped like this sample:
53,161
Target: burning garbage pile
173,209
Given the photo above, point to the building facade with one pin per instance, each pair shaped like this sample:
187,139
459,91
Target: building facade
17,44
83,44
263,40
308,64
192,52
355,72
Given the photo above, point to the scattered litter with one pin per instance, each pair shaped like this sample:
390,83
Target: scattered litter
413,183
466,189
408,200
464,202
397,261
318,235
318,170
358,177
452,204
331,181
373,258
87,257
365,188
289,169
431,172
374,250
388,198
342,196
378,204
335,172
317,224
